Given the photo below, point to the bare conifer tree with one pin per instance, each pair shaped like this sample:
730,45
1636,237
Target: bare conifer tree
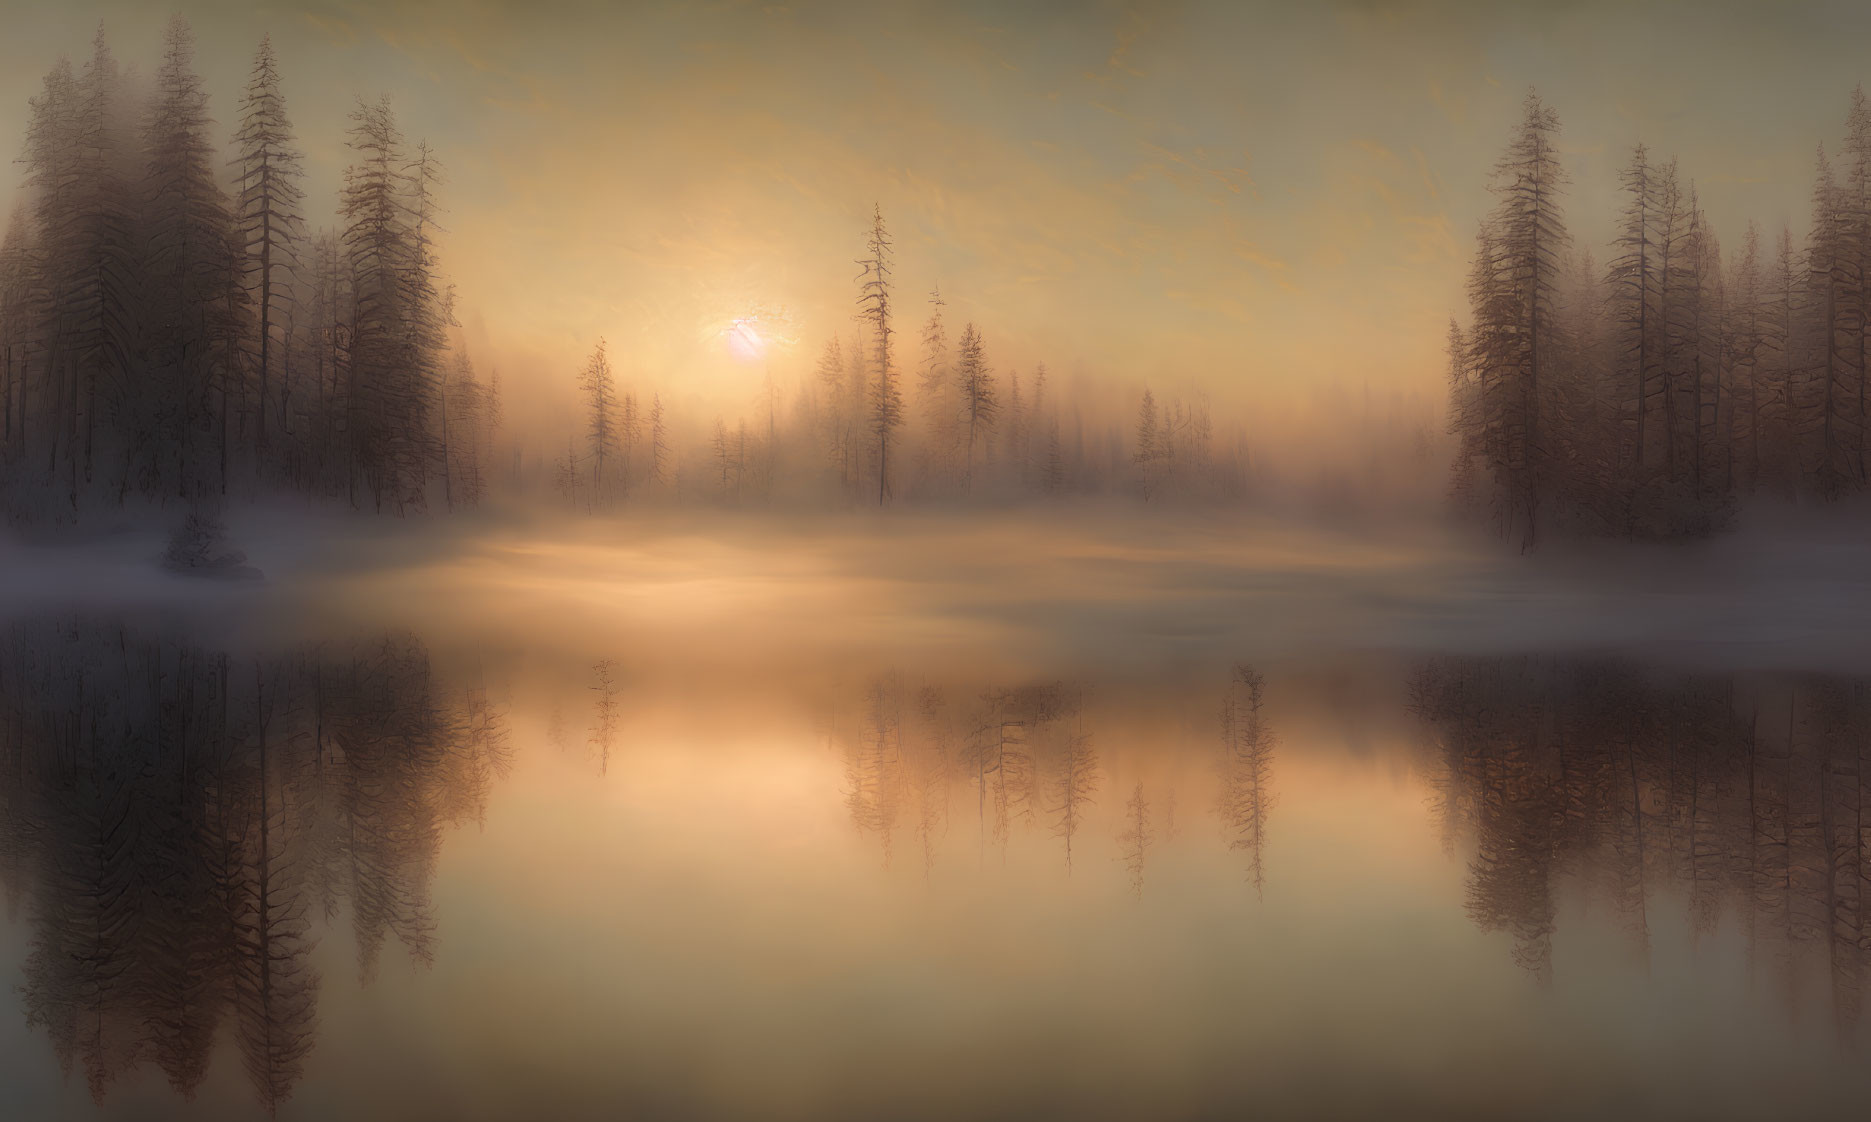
886,397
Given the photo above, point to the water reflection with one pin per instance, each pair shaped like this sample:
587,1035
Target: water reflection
1739,795
704,895
1247,769
174,818
1024,758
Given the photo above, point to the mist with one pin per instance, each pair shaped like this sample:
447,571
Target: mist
934,560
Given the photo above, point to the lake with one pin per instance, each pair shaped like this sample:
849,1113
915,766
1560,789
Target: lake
899,818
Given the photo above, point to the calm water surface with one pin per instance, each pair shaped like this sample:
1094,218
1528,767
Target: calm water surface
705,827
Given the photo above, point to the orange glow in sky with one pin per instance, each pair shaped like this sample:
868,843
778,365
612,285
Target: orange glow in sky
1272,204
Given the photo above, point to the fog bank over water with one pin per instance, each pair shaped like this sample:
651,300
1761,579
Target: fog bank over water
1092,588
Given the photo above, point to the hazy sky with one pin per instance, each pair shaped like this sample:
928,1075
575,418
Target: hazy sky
1273,200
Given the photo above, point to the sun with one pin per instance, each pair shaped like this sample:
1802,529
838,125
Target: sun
756,333
744,339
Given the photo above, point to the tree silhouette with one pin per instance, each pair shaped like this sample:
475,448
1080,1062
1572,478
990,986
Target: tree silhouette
395,329
886,397
267,214
1650,406
974,384
601,421
1149,449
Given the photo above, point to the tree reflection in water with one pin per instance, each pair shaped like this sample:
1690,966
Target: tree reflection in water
174,818
1736,795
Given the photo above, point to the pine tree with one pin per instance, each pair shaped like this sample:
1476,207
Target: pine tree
17,292
659,442
629,429
601,428
81,164
740,456
1780,465
1040,425
1464,421
936,395
430,310
1632,281
1854,277
463,404
723,449
1149,447
1052,477
267,210
886,398
387,397
1675,282
1516,294
1702,315
980,402
196,307
1016,420
1748,334
832,383
1827,299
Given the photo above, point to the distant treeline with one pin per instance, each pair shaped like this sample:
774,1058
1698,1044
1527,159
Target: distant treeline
171,328
176,329
1649,398
883,419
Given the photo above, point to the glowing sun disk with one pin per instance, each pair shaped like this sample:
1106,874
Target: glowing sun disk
744,340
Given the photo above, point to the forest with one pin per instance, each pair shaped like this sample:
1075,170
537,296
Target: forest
173,330
1651,397
177,326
